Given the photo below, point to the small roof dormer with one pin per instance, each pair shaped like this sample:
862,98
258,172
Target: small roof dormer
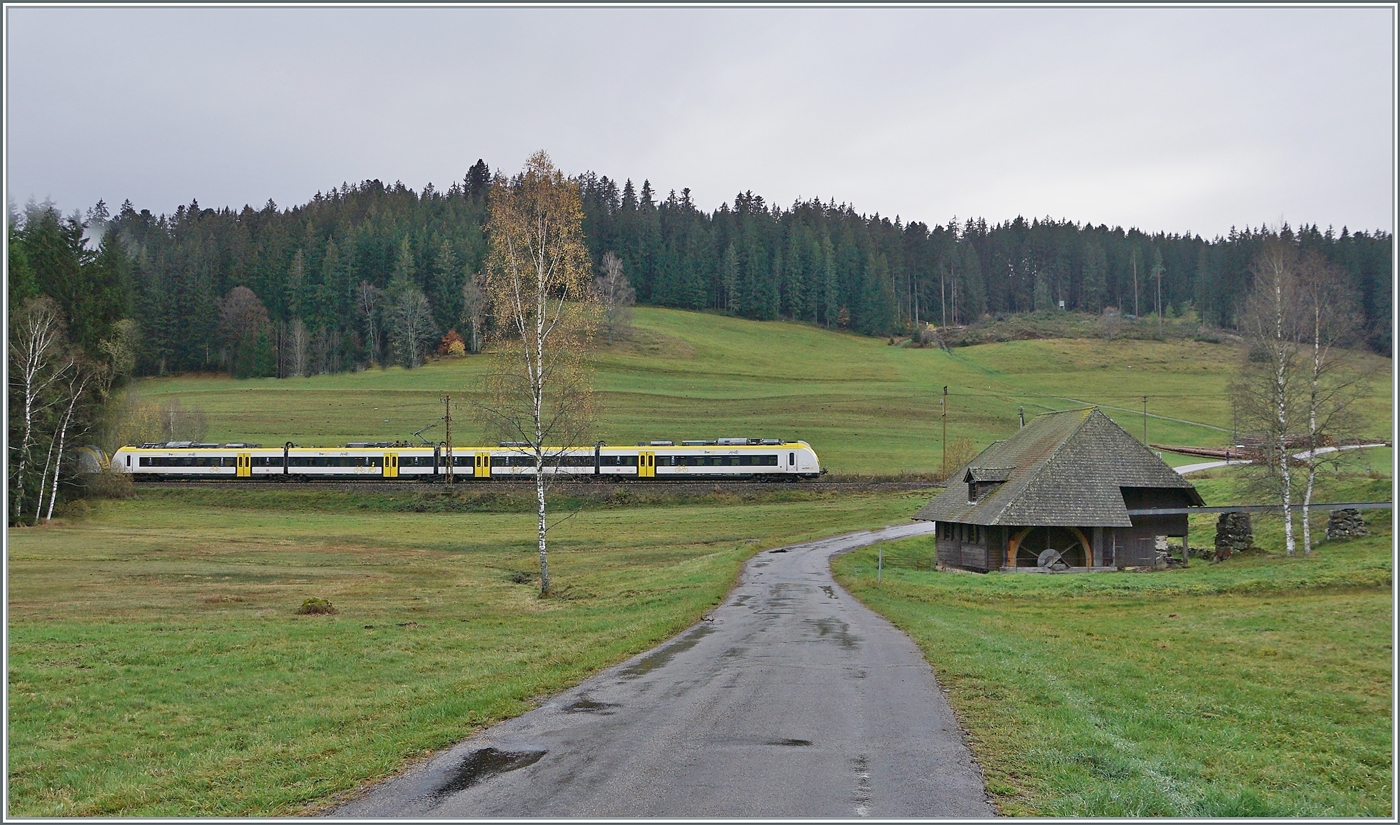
982,480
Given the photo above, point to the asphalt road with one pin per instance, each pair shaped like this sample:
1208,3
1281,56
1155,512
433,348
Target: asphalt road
792,701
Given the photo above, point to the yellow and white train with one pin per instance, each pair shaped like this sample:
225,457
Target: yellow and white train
718,459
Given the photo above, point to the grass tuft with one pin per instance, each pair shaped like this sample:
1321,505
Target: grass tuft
316,607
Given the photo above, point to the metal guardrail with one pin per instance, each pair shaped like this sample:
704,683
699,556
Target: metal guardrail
1262,508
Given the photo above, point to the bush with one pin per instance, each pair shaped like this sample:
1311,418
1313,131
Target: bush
316,607
452,345
109,483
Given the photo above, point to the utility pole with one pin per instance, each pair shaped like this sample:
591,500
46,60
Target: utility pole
447,419
1144,419
945,432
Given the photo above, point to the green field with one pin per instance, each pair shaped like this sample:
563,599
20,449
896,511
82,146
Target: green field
866,407
158,667
1260,686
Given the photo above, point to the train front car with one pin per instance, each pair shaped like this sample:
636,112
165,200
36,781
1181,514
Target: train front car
734,458
183,460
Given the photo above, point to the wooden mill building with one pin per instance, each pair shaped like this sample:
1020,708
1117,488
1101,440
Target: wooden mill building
1073,482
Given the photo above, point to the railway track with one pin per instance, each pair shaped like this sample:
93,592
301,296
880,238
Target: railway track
575,488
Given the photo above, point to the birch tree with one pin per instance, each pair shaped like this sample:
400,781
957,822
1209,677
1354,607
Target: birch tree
615,296
367,302
1268,391
537,276
1333,377
80,376
475,305
300,344
37,364
411,327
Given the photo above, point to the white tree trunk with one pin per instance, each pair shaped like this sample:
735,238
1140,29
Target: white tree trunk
43,480
1281,420
77,392
537,381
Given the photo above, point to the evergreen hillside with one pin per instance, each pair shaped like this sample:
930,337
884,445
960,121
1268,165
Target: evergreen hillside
331,273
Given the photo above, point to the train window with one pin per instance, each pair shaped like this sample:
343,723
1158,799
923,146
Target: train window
617,461
145,460
128,461
768,461
792,459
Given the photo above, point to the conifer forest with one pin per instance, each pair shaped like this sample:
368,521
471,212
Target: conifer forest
371,273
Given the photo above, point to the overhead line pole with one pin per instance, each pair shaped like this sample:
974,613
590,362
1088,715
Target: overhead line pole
945,432
447,418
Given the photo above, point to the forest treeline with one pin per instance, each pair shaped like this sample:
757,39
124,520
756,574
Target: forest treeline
374,273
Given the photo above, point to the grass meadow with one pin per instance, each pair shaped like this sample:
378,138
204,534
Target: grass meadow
1259,686
158,667
866,407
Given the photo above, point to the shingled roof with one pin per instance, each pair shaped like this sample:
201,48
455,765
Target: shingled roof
1064,469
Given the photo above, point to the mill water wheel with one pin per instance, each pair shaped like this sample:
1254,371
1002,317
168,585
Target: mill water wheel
1051,559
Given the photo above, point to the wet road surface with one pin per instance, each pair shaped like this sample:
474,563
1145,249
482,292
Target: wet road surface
792,701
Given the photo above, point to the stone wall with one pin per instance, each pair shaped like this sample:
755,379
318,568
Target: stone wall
1344,524
1233,534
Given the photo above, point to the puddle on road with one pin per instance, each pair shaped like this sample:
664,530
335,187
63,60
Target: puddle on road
837,629
590,706
826,588
861,765
484,764
790,743
665,654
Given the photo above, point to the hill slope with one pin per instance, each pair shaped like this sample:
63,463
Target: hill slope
866,407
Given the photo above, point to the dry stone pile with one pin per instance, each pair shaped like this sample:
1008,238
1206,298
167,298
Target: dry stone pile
1345,523
1233,534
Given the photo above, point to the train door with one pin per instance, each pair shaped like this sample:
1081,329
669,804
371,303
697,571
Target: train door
244,465
646,465
483,465
391,465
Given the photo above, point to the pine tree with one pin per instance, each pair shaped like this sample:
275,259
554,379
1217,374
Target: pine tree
730,278
1094,285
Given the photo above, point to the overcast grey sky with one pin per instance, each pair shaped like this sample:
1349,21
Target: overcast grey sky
1167,119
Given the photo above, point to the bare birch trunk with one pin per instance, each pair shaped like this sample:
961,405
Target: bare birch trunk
77,391
43,480
1281,399
1312,427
